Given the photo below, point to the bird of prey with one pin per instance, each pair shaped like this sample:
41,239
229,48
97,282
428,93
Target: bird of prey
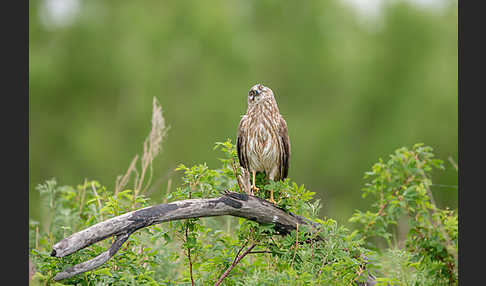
263,143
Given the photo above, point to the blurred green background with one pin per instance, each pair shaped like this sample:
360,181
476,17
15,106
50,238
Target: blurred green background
355,80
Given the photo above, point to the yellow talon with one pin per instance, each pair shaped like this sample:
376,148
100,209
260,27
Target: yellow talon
271,198
253,186
254,189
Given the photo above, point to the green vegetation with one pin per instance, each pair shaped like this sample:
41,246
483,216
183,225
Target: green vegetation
351,88
203,249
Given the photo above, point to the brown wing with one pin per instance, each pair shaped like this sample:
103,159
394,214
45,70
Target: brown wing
241,144
285,149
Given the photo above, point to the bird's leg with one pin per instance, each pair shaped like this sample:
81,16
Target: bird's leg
271,198
253,186
272,177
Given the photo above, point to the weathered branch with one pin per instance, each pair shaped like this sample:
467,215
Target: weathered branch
95,262
234,204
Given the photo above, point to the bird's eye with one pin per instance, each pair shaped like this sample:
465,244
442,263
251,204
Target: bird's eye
252,93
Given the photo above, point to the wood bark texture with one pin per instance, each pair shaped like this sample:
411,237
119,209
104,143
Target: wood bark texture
230,203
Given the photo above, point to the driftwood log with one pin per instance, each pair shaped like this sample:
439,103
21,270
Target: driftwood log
234,204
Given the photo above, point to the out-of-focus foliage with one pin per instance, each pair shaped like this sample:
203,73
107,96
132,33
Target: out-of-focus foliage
351,90
401,187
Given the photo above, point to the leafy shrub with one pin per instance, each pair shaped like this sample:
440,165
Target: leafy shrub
200,251
401,187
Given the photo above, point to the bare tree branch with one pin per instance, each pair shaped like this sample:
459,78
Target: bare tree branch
95,262
234,204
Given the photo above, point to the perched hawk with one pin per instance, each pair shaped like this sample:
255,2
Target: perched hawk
263,141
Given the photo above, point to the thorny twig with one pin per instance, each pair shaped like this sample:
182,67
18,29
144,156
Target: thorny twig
190,261
189,249
259,252
237,259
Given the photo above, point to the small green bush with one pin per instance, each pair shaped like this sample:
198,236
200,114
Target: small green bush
199,251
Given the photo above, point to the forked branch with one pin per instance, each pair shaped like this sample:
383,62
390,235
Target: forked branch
238,257
234,204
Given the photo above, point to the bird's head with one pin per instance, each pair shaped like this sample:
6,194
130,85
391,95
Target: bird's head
259,93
